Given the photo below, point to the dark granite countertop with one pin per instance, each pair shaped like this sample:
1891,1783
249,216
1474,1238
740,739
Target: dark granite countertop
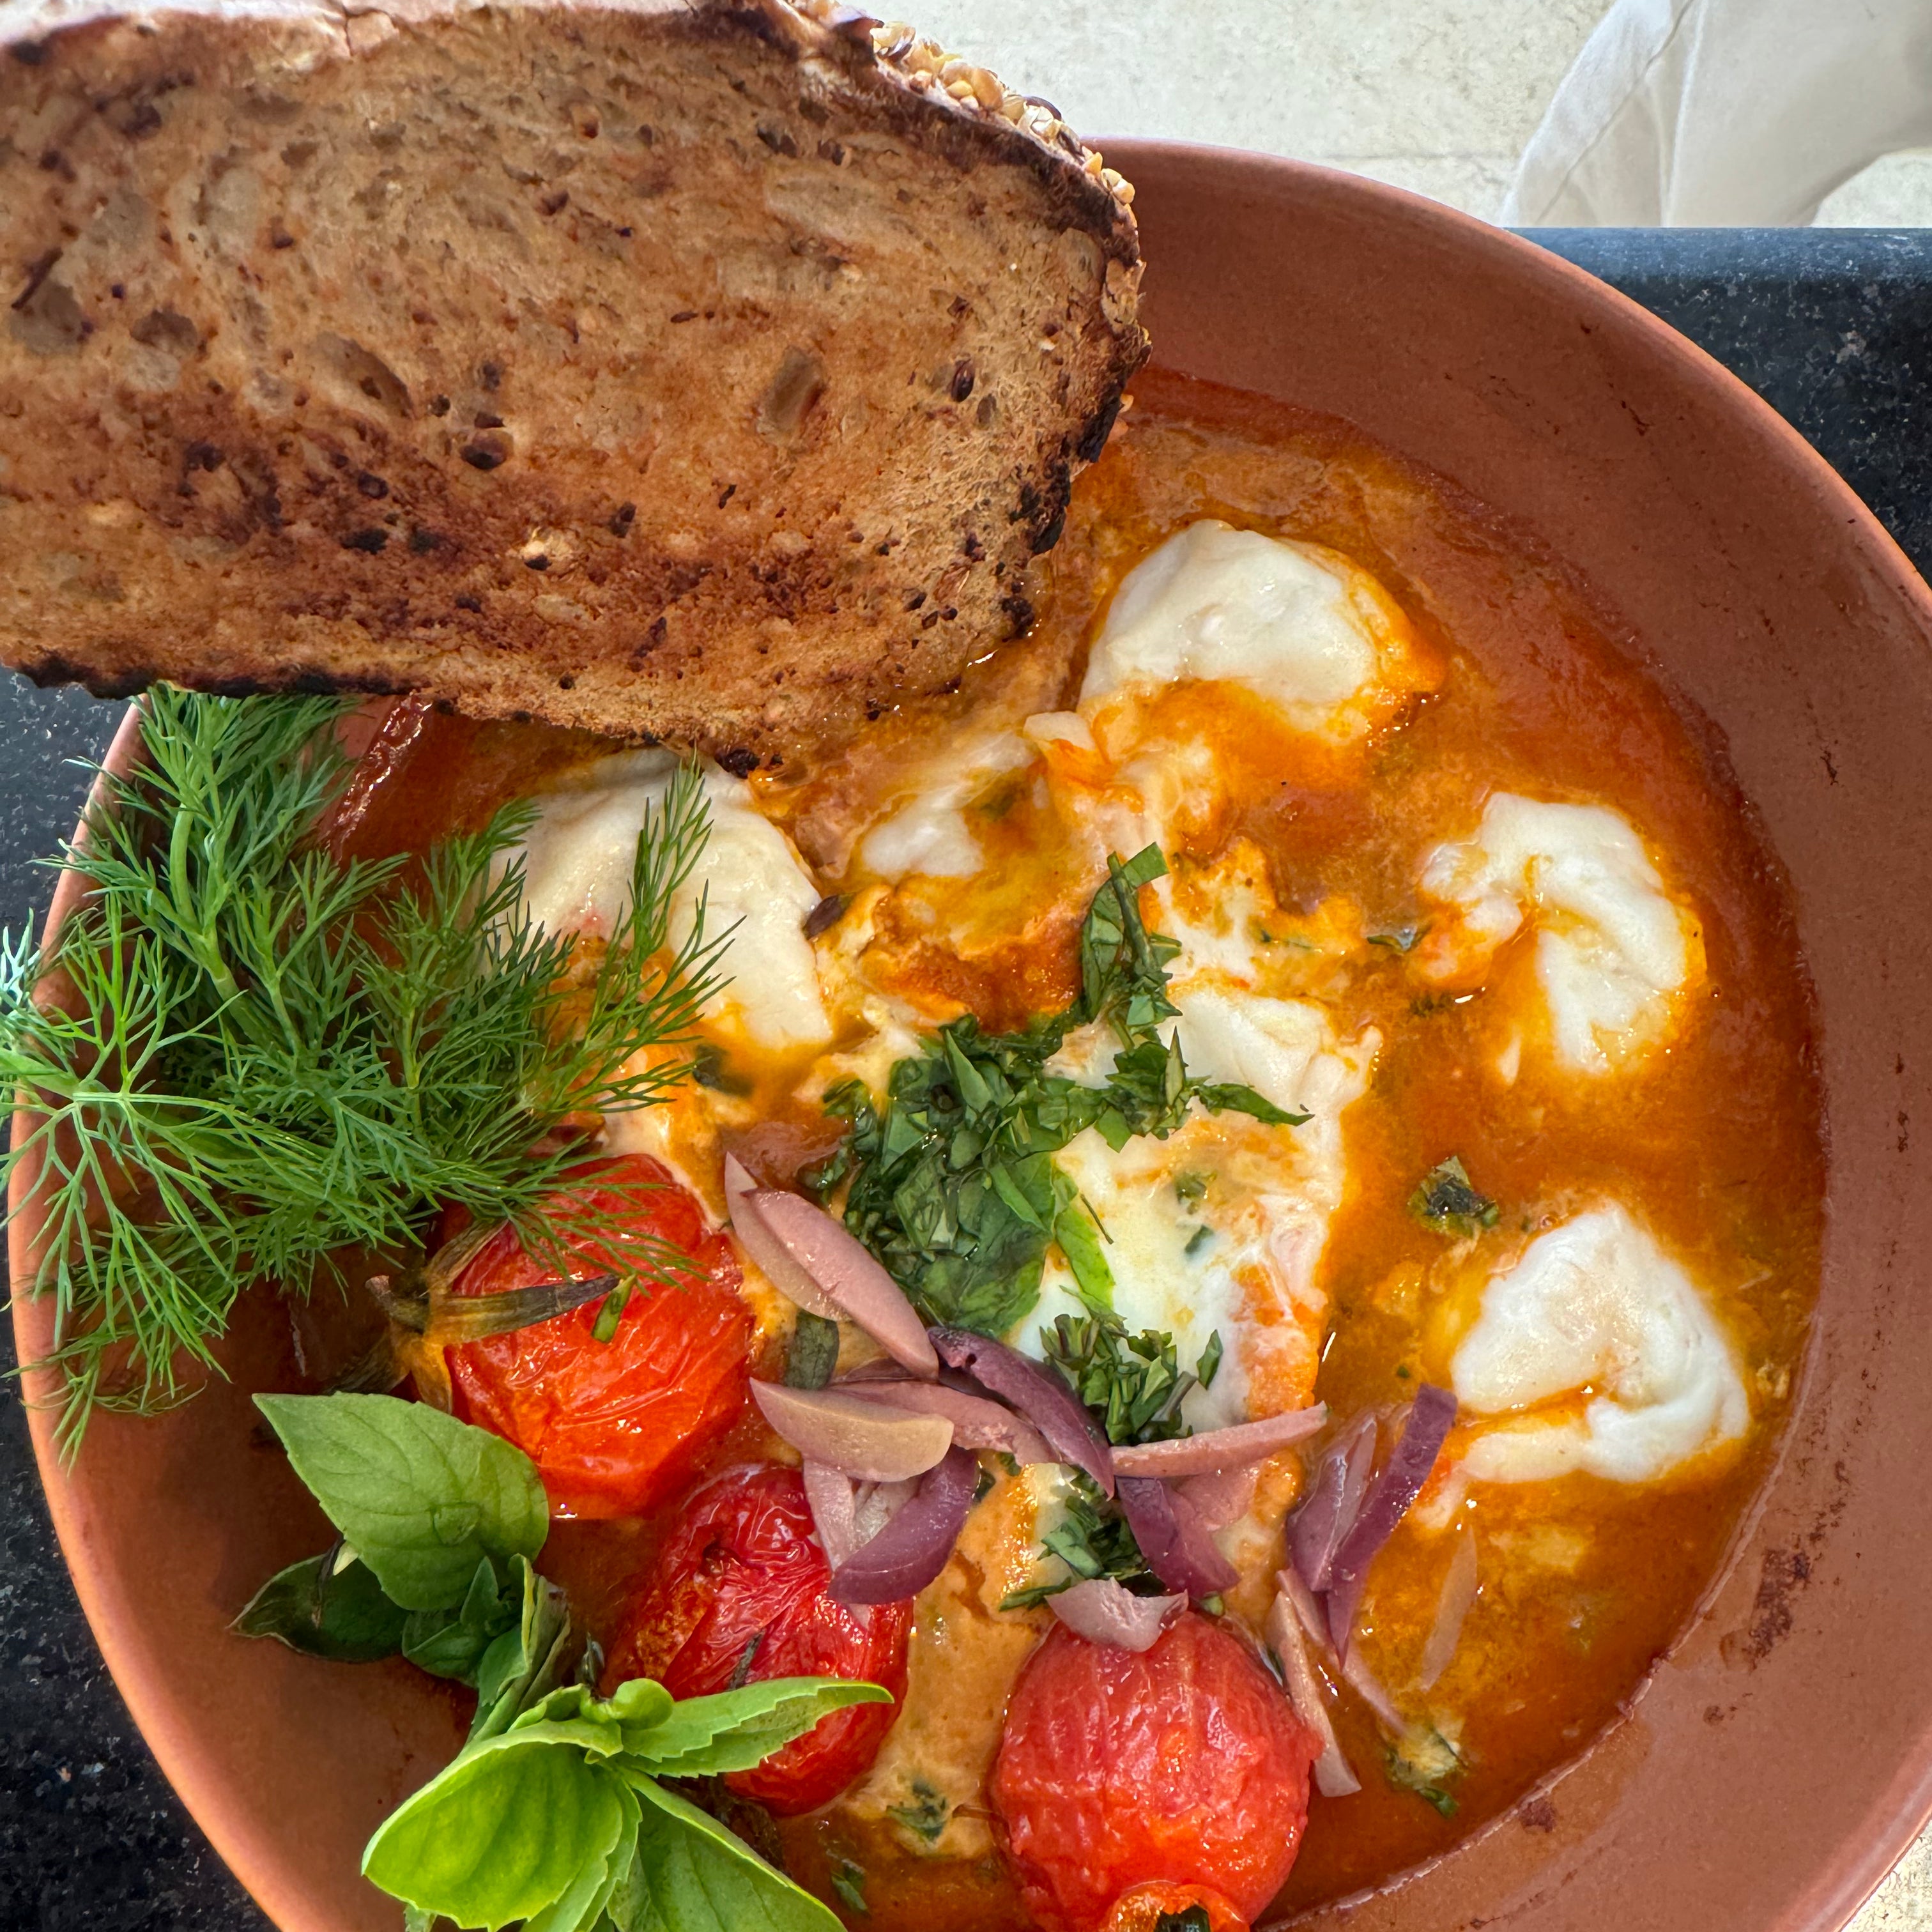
1833,328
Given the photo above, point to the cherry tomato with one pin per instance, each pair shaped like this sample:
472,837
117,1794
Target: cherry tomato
613,1426
1143,1907
739,1595
1184,1764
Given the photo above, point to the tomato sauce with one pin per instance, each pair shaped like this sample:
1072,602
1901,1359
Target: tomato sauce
1716,1139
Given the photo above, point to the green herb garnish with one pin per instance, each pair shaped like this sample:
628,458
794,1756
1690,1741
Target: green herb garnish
709,1068
814,1352
1134,1384
848,1880
925,1817
263,1054
953,1185
1193,1919
331,1606
556,1812
1426,1762
1209,1365
1092,1540
1447,1202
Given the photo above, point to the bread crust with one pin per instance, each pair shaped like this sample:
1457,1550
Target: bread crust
705,373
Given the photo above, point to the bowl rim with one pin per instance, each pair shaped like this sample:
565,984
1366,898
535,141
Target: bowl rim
1844,1880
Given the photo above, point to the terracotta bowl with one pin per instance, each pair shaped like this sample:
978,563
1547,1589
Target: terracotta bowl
1780,1757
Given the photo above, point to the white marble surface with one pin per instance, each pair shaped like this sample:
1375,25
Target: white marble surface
1435,95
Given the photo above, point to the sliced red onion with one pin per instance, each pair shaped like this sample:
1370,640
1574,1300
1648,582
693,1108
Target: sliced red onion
1459,1592
875,1504
978,1423
1038,1394
834,1511
845,1271
1102,1612
1333,1777
764,1247
864,1440
1219,1449
913,1548
1431,1416
1334,1497
1177,1547
882,1369
1223,1497
1354,1672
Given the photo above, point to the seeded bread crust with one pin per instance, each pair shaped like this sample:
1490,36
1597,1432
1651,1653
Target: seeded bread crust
705,373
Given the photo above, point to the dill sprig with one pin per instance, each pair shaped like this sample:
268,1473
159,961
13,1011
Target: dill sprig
250,1056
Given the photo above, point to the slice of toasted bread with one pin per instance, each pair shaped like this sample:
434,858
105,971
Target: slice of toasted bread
708,372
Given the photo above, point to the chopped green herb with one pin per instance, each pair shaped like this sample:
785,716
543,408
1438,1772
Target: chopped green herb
1093,1540
926,1816
848,1880
709,1068
1134,1384
1426,1762
1209,1365
814,1352
953,1182
1201,1238
1447,1202
1080,1234
1193,1919
1190,1187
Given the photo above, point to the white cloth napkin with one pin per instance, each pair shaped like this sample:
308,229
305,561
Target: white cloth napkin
1689,113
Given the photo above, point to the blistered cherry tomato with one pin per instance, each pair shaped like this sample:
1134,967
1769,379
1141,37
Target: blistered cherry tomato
739,1595
613,1426
1184,1764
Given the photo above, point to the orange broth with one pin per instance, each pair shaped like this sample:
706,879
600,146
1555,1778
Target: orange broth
1715,1139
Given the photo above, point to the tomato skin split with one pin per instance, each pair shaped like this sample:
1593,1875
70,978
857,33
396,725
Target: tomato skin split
613,1426
1184,1765
739,1595
1142,1907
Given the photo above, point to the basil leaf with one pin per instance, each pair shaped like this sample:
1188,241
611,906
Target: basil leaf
1220,1097
590,1893
453,1643
326,1607
506,1831
525,1662
422,1498
639,1703
735,1729
691,1875
814,1352
1079,1238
